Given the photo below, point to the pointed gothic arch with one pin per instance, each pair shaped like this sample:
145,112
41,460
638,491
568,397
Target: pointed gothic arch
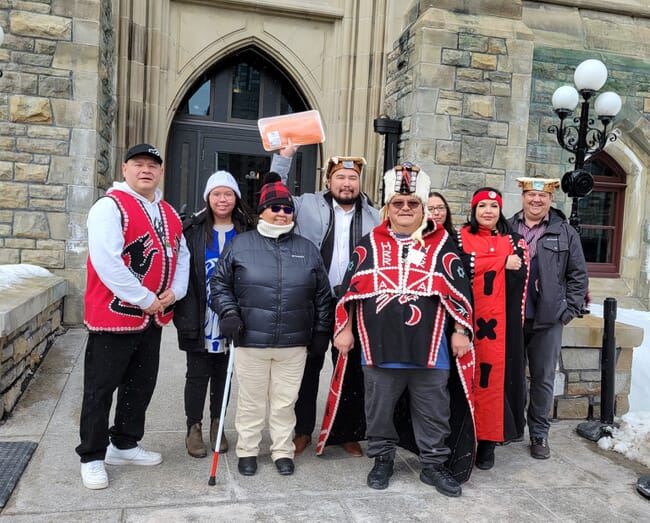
215,128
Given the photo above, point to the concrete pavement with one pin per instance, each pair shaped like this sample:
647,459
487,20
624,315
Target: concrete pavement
579,482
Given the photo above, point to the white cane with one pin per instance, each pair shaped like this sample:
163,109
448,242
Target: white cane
215,460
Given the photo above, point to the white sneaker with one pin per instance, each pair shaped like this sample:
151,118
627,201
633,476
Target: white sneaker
93,475
135,456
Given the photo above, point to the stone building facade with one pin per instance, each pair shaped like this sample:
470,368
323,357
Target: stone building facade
470,81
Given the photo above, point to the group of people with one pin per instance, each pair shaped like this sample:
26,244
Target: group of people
430,327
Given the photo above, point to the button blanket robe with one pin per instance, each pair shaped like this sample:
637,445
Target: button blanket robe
378,272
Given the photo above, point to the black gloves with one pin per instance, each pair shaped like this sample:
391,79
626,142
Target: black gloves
319,343
231,327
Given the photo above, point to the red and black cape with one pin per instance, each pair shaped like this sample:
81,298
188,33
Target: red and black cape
499,305
375,270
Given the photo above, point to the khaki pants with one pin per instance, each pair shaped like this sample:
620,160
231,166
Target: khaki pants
273,376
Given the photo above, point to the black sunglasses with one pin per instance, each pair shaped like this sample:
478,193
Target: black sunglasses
411,204
283,208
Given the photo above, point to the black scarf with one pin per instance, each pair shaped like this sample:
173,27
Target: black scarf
356,230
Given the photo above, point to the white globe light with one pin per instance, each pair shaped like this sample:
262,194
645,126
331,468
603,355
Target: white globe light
608,104
565,97
590,75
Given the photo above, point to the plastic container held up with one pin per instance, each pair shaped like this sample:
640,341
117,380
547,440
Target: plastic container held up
302,128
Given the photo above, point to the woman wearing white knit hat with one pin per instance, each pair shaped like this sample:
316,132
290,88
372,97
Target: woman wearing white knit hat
207,232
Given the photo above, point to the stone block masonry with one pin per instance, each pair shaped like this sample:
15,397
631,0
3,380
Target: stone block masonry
577,384
30,319
458,82
53,160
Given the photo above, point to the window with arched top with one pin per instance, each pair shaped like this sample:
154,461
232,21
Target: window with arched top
215,128
601,216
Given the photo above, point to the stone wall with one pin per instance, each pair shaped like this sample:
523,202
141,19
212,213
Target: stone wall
460,85
30,319
577,379
49,145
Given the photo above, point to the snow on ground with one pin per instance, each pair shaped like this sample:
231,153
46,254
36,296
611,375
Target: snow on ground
632,438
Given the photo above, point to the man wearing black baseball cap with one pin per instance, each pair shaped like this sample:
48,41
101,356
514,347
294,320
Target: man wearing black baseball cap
138,266
143,149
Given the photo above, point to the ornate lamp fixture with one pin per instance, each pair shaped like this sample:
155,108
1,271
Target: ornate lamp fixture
582,138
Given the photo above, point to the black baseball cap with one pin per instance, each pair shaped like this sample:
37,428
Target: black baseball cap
143,149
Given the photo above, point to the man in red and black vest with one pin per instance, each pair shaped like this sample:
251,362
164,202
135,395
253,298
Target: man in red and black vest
138,266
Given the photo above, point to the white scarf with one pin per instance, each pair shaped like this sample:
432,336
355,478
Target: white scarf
271,230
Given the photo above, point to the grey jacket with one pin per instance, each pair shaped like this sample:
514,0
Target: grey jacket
563,280
313,213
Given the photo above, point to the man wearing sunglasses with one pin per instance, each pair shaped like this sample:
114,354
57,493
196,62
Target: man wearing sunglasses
334,219
407,301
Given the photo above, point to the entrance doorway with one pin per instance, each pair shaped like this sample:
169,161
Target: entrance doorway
216,129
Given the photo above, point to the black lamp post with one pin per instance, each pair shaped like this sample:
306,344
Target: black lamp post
2,39
583,138
391,130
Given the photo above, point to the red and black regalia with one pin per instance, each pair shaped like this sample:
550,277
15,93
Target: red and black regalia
431,290
499,305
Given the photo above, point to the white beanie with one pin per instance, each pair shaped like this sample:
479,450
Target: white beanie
221,179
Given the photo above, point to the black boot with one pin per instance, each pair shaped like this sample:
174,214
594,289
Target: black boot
247,466
438,476
485,454
379,475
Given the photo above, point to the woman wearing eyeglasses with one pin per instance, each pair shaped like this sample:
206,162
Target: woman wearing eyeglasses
272,293
496,260
207,232
439,210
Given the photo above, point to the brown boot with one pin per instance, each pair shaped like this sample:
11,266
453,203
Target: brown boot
301,442
194,442
214,427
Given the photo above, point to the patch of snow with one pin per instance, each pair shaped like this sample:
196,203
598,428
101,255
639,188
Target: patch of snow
13,274
632,438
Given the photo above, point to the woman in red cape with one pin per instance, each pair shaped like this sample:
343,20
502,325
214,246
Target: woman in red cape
496,261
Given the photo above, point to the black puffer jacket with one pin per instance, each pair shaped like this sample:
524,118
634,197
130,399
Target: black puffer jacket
278,286
189,313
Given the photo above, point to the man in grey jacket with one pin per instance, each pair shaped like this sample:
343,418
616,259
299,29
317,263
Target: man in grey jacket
334,220
557,288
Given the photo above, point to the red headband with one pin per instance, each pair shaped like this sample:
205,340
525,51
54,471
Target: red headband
487,195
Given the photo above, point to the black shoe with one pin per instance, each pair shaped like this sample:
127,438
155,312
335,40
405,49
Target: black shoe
643,486
380,474
442,479
247,466
285,466
485,455
539,448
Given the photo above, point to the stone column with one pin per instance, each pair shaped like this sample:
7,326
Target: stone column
460,83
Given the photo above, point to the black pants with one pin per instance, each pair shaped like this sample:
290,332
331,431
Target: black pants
306,405
126,362
204,367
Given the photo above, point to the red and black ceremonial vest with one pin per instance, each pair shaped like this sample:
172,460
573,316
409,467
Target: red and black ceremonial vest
150,256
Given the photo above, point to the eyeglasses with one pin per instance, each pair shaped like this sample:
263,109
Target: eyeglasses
412,204
283,208
437,208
